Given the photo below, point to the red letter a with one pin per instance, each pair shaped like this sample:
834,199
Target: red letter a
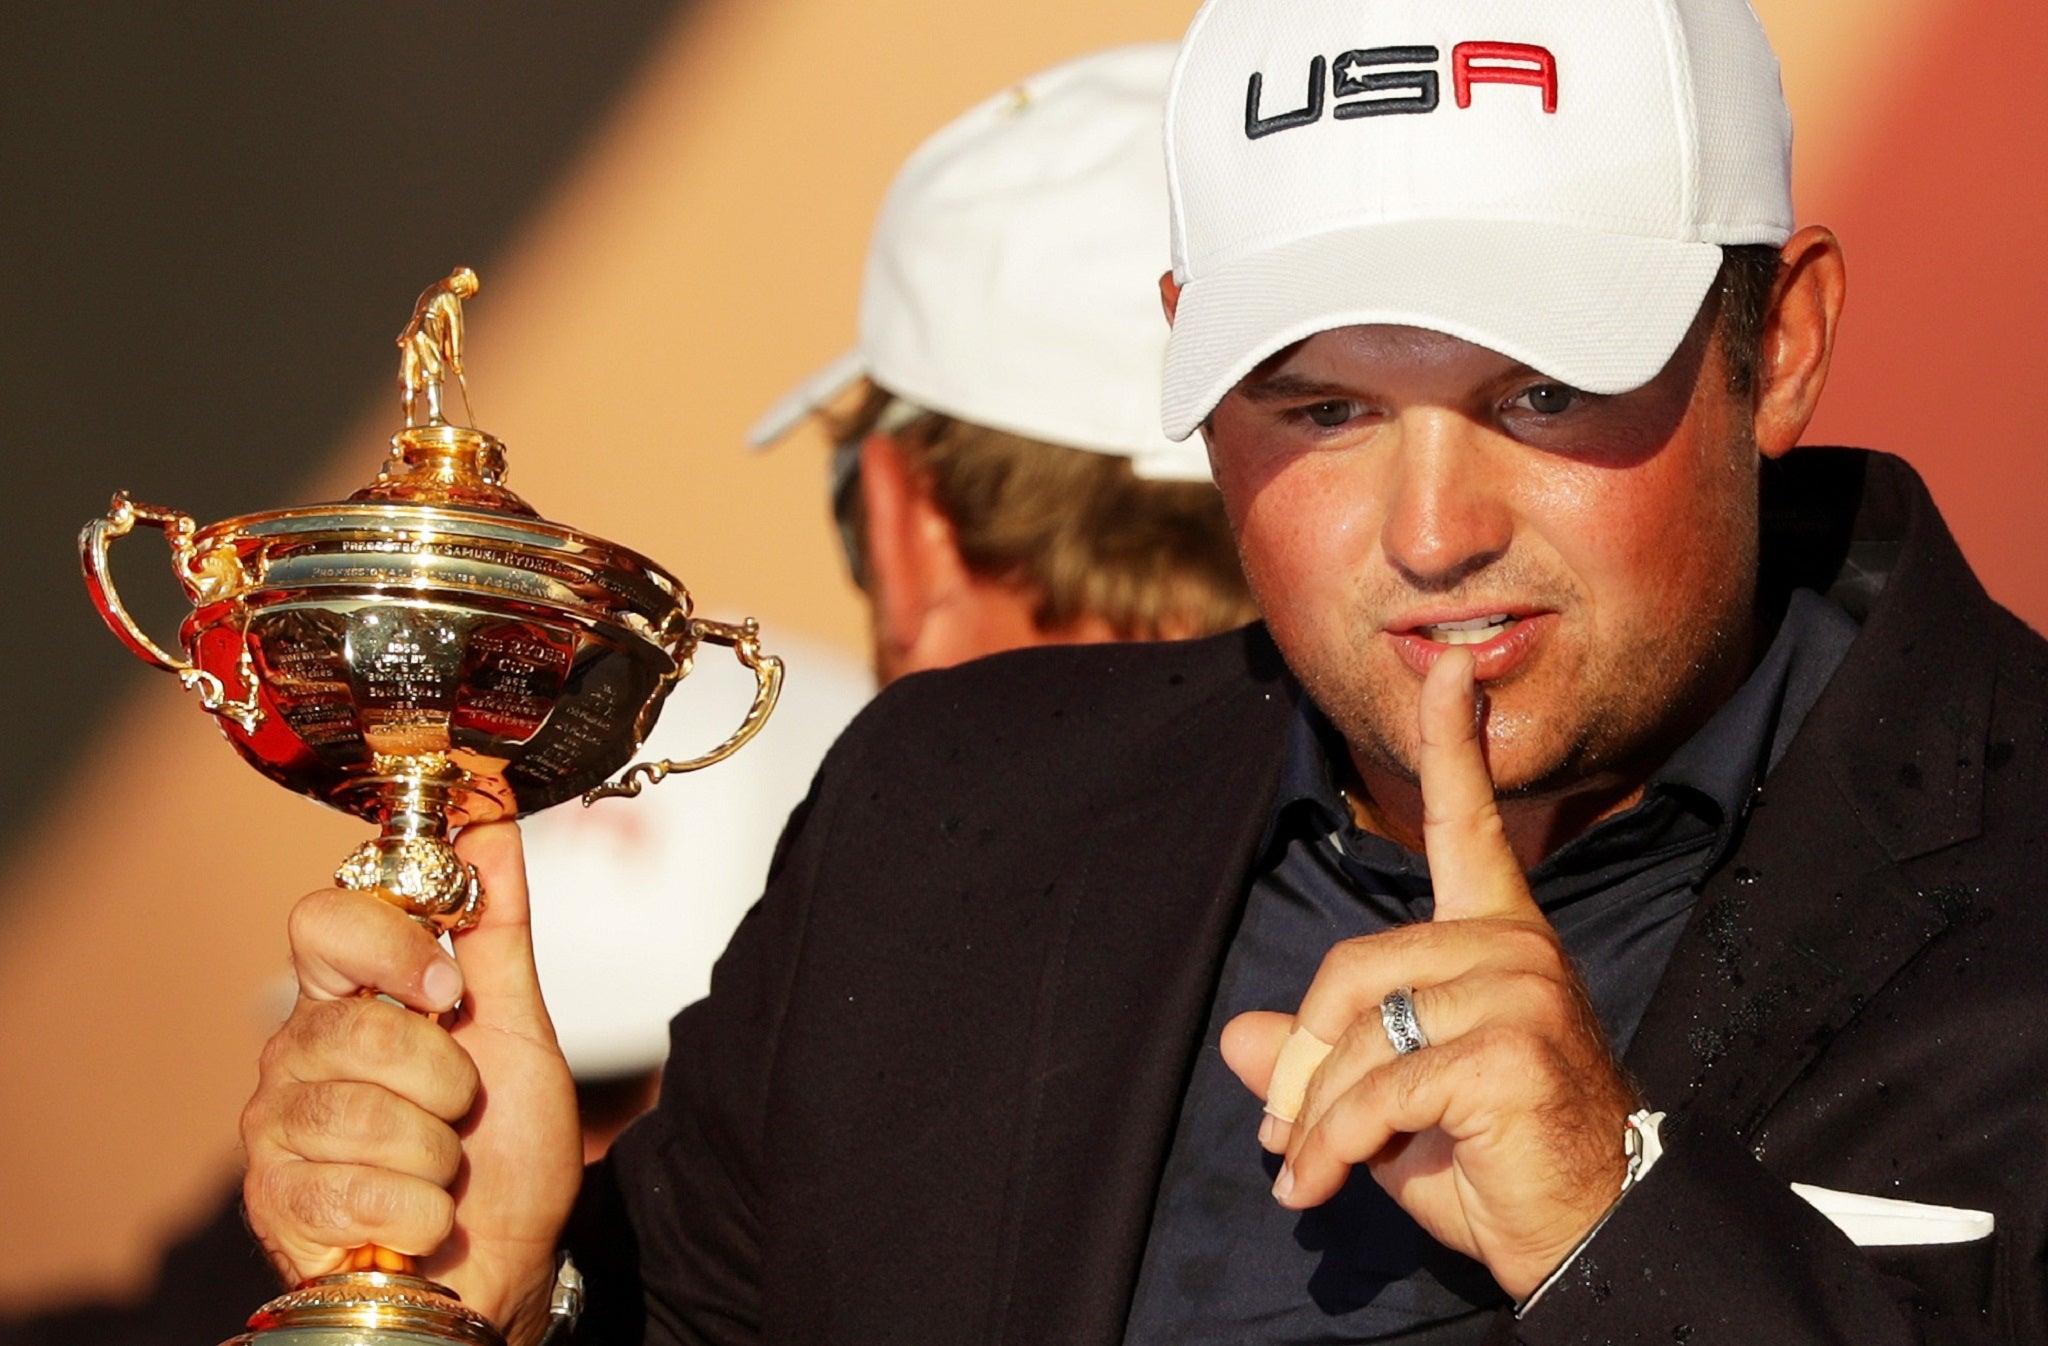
1530,65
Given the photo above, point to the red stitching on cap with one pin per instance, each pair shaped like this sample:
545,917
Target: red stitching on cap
1466,72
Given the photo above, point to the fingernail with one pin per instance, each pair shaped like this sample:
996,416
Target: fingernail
1267,1125
1283,1186
442,984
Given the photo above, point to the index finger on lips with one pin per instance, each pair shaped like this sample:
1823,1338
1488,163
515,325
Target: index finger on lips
345,943
1472,868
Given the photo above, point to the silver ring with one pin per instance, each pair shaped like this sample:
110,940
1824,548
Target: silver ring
1397,1016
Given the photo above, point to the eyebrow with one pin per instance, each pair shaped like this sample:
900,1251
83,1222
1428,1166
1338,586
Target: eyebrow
1288,387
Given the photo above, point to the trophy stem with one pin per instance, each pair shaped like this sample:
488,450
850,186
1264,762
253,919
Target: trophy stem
411,863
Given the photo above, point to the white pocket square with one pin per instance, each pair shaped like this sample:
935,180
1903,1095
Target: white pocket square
1881,1222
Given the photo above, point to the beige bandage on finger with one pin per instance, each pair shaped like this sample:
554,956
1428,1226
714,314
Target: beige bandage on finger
1299,1056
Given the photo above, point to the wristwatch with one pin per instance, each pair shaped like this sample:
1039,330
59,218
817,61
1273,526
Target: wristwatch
1642,1142
565,1303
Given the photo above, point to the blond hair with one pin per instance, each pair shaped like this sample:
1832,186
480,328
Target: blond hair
1080,531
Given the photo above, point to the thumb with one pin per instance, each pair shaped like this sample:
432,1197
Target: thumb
1251,1045
1471,866
496,954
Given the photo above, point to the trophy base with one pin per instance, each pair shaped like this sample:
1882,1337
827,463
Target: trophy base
367,1308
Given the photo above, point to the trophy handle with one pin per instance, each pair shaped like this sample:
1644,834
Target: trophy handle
745,640
121,517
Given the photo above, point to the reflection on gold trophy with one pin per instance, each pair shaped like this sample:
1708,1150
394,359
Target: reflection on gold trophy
428,653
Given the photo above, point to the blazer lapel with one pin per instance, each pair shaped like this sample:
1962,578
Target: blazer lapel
1788,941
1814,912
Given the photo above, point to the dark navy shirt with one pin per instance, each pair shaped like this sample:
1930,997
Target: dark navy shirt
1225,1262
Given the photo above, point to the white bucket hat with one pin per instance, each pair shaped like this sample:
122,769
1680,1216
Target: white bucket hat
1012,280
1552,181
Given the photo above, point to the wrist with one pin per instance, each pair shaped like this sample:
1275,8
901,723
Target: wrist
1642,1146
530,1320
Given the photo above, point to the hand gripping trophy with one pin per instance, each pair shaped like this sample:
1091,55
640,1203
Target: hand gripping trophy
428,653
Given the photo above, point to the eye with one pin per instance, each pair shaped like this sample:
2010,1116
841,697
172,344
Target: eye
1549,399
1330,414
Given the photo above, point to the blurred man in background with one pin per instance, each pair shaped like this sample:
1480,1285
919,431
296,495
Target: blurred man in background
1001,479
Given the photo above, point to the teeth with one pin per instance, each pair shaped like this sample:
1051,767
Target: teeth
1474,631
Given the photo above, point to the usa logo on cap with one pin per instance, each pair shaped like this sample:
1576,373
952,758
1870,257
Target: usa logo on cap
1361,75
1554,182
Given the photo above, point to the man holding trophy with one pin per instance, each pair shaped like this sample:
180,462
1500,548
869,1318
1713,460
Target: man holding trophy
1598,903
1027,385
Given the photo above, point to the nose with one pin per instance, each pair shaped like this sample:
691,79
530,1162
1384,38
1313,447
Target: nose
1447,517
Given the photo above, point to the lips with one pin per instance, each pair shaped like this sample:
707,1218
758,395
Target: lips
1500,641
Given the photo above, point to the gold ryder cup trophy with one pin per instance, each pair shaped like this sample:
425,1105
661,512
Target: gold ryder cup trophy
428,653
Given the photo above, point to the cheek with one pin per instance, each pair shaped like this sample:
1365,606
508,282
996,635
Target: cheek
1655,540
1303,529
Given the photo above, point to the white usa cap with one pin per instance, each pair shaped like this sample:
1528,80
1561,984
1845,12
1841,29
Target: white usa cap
1551,181
1012,280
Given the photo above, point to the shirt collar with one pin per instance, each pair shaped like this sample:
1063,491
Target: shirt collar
1730,755
1306,784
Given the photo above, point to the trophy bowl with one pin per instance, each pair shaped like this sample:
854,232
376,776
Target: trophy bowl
425,654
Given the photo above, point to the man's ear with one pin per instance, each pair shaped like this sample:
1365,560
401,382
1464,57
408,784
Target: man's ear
913,561
1169,295
1798,340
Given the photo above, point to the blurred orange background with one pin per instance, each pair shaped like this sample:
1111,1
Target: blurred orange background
701,253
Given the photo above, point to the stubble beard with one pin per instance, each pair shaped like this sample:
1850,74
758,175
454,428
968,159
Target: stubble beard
1620,714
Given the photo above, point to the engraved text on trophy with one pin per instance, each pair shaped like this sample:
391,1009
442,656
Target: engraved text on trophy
403,662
